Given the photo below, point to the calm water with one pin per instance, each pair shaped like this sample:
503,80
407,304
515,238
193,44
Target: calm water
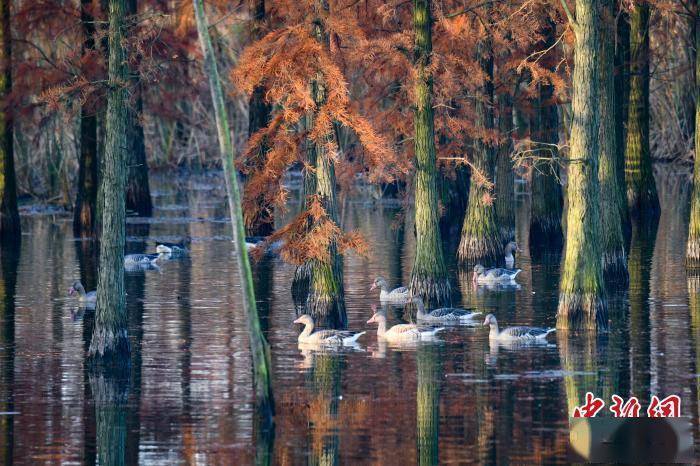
456,401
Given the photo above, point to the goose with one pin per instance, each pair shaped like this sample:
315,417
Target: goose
509,250
515,334
399,294
327,337
484,276
174,249
443,314
89,298
131,260
401,333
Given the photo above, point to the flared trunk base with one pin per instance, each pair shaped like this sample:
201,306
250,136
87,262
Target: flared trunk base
692,254
109,348
615,267
484,249
301,284
578,311
327,311
434,291
546,232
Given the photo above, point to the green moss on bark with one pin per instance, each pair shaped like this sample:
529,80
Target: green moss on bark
581,290
613,248
642,198
693,247
429,274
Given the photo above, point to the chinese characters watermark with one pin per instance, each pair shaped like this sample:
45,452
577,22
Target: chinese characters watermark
667,407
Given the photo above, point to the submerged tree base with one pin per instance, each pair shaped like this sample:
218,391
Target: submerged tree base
480,249
109,348
545,232
327,311
692,254
615,267
434,291
579,311
301,284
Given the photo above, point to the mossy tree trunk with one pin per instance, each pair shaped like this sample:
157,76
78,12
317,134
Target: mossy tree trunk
481,238
612,239
138,192
85,211
505,176
259,110
581,290
622,57
260,352
547,199
642,198
693,246
325,301
110,344
10,229
429,275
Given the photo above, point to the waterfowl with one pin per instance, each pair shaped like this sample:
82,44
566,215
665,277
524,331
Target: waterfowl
444,314
141,259
326,337
401,333
509,250
399,294
483,275
173,249
515,334
84,298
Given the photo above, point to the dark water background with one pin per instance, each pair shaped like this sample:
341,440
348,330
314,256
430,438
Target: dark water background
460,400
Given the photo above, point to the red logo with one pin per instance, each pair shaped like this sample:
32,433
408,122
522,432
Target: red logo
668,407
590,408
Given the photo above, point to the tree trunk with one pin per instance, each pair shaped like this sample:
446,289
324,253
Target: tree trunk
260,352
547,199
693,246
262,224
505,177
85,211
481,239
612,239
138,192
429,275
10,229
622,58
581,293
110,344
642,198
325,301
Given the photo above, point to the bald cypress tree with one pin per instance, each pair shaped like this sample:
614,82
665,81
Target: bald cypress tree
642,199
581,290
481,239
429,274
693,246
10,229
613,247
110,344
85,211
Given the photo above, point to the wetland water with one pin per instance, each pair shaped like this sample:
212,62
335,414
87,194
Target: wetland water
459,400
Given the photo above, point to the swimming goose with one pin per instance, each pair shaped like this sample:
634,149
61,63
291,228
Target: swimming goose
401,333
483,275
444,314
513,334
84,298
327,337
142,259
399,294
509,250
174,249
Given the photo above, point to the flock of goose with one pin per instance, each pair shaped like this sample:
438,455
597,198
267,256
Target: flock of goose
428,321
427,324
